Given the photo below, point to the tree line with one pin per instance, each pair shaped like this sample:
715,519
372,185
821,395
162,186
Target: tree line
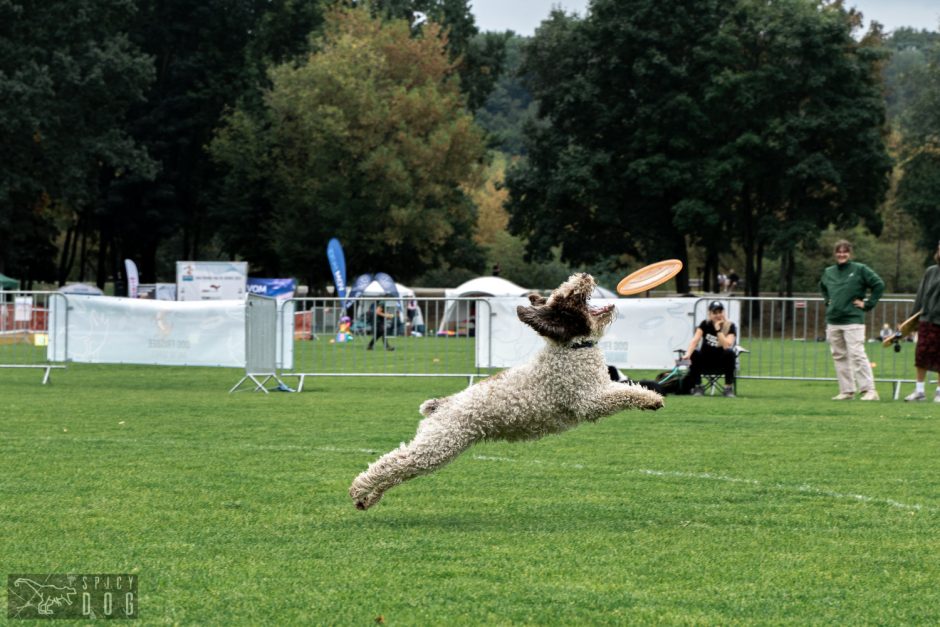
258,129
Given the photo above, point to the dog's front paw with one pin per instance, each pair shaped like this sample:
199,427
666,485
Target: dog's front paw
362,494
364,502
651,400
363,499
640,397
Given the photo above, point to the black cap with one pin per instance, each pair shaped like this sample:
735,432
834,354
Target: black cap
715,305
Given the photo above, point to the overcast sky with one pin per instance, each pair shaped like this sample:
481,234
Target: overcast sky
523,16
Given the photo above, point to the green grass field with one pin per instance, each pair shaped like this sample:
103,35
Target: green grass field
778,507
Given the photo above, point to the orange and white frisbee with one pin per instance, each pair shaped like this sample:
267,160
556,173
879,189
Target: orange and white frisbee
649,277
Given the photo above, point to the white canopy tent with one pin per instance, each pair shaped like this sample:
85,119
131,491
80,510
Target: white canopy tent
458,315
486,286
375,289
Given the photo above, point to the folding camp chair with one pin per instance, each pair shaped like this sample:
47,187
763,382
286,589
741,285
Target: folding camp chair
712,381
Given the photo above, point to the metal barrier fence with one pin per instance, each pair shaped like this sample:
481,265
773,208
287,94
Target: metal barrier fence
436,339
261,343
24,330
786,339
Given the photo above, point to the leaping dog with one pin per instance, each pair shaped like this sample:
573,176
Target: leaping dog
565,384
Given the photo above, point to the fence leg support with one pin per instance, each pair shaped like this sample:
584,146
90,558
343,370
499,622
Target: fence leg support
259,385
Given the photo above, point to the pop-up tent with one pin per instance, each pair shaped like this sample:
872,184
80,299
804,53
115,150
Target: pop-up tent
403,304
376,289
404,293
459,315
7,283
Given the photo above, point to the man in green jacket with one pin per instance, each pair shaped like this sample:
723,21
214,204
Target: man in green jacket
844,287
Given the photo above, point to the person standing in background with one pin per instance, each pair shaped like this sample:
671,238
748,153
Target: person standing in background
844,287
379,316
927,354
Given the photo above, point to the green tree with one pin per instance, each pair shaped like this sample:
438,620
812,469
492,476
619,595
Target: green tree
68,76
479,58
510,106
621,122
919,187
207,55
714,122
801,101
281,32
239,193
904,71
368,140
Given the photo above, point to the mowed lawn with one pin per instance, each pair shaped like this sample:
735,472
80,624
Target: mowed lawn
778,507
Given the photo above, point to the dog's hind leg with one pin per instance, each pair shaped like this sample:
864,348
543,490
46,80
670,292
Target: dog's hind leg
434,446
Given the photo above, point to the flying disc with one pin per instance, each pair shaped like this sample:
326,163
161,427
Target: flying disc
649,277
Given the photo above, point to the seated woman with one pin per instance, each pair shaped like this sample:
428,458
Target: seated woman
717,335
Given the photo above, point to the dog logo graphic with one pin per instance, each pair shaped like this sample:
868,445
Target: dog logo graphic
54,596
43,596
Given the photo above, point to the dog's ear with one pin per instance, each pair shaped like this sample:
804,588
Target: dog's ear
544,322
537,299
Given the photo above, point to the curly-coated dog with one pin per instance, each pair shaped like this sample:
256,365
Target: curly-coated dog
565,384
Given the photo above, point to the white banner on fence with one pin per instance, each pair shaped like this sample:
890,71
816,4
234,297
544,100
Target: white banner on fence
644,335
135,331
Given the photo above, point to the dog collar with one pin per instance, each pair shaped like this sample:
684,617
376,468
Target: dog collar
583,344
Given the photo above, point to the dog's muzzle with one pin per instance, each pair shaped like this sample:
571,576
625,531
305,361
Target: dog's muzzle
601,310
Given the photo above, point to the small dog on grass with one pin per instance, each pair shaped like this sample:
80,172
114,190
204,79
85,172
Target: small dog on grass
565,384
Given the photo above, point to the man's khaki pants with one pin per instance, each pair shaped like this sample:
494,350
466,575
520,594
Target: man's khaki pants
847,343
